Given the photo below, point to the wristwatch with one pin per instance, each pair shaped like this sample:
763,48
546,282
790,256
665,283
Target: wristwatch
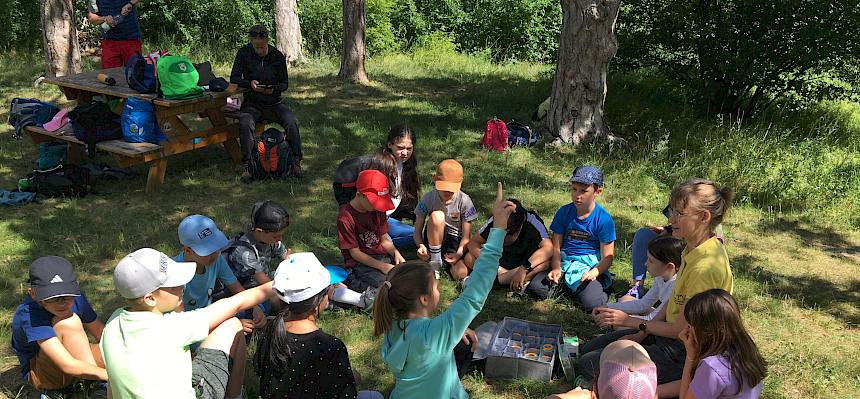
528,266
643,326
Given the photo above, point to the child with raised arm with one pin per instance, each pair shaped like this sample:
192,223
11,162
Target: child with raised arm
417,348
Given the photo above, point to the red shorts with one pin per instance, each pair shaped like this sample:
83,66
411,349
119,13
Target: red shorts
115,53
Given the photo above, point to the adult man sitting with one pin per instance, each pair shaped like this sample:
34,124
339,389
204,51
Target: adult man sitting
262,69
526,252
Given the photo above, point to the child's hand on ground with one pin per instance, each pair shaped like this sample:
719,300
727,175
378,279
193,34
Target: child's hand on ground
590,275
469,337
554,276
502,209
422,252
519,279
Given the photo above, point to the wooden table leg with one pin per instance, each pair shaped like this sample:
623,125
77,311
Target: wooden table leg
157,169
234,150
74,154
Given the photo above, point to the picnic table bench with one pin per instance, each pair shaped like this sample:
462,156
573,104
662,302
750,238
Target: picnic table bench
83,87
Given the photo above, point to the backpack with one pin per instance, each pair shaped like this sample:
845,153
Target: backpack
141,73
95,122
274,157
495,135
61,181
178,78
245,277
520,134
51,154
138,122
24,112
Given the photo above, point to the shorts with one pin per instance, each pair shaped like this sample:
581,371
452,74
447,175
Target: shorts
44,374
450,242
209,372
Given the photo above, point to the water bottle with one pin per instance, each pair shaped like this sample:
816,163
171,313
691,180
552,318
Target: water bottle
117,19
23,184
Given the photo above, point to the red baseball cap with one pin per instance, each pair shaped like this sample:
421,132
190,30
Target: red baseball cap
374,185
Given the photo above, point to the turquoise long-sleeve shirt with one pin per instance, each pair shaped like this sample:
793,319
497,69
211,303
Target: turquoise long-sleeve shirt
421,357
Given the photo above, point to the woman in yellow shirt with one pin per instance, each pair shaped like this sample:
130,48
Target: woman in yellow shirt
698,207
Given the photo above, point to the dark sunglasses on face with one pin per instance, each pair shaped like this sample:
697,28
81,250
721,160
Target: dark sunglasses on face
261,35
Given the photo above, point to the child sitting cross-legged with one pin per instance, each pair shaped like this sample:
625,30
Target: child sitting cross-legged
49,330
146,344
294,358
664,258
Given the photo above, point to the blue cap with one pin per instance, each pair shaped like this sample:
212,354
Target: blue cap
200,233
337,273
587,175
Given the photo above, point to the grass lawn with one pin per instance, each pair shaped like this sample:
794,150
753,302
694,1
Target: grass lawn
792,239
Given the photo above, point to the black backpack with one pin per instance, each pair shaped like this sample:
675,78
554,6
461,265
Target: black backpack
273,156
245,277
95,122
60,181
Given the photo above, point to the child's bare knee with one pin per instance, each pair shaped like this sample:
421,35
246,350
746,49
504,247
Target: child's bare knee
437,217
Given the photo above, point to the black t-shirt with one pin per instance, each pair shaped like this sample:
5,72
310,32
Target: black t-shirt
531,234
319,368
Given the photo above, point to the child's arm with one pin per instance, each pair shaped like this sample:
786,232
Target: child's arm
418,236
368,260
95,329
607,254
60,356
555,263
392,250
465,233
226,308
540,257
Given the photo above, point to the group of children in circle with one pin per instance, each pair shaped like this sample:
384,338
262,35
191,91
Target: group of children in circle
179,335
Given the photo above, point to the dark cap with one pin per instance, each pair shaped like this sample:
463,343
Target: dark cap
258,30
53,276
587,175
270,216
516,220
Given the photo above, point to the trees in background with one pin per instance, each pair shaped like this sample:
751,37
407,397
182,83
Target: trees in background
60,38
352,54
288,31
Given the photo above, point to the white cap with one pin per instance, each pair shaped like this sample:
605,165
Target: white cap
147,270
300,277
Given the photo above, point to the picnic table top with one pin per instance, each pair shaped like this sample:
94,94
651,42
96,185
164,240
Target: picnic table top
88,81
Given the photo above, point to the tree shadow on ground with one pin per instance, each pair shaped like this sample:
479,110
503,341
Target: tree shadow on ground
806,291
827,239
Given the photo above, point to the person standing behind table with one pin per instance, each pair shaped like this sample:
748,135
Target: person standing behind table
120,29
262,69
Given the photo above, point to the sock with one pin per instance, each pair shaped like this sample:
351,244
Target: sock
346,295
435,253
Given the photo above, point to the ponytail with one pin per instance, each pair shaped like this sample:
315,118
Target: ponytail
277,354
703,195
399,294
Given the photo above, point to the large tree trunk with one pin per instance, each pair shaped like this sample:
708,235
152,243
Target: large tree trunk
60,38
586,46
352,59
288,31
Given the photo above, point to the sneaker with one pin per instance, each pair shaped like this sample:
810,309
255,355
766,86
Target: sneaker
636,291
437,266
367,299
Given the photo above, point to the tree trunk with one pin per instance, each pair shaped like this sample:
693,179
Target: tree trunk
352,59
586,46
60,38
288,31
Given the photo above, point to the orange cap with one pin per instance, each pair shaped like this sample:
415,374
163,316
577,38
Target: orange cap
449,176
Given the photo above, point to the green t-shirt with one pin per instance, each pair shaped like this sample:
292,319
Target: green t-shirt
146,354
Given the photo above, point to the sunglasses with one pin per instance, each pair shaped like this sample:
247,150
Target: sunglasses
58,299
260,35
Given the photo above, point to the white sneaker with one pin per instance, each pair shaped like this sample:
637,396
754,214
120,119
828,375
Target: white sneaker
436,266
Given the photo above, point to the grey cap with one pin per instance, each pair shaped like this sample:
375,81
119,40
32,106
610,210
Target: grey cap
147,270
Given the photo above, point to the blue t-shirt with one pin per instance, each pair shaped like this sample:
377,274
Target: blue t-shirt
198,292
32,323
583,236
128,29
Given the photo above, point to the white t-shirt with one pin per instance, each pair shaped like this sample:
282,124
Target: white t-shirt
660,289
146,354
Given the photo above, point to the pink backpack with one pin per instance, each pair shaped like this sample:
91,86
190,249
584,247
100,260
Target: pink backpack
495,135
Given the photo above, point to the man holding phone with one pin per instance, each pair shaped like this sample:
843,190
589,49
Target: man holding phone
262,69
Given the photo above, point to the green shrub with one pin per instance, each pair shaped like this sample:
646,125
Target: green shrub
20,22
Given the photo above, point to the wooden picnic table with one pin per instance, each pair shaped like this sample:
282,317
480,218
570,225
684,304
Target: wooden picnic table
84,86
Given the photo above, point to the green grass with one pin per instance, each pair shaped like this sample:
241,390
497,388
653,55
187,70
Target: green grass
792,238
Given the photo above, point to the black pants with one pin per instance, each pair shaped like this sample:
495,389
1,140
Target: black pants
667,354
279,113
588,296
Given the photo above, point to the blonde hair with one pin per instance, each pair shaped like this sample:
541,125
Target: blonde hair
703,195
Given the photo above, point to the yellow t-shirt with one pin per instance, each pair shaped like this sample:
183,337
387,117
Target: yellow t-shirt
703,268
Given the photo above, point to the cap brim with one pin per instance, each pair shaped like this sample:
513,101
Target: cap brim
582,181
380,203
216,243
57,289
453,187
337,274
179,273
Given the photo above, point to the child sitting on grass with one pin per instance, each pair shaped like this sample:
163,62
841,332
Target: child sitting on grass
49,330
664,257
722,360
444,217
146,345
295,359
418,348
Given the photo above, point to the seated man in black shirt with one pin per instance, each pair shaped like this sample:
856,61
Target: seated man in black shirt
527,251
262,69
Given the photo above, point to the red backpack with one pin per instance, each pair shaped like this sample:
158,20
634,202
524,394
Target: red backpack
495,135
274,158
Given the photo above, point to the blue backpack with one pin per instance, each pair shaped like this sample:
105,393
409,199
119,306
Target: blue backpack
139,123
140,73
29,111
520,134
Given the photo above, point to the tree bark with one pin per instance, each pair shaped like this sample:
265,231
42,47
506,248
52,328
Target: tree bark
288,31
352,59
60,38
586,46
